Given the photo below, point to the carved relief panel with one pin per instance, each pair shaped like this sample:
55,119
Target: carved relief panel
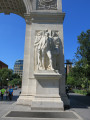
47,50
47,4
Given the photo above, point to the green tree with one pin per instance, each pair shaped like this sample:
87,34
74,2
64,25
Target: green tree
7,75
15,76
75,77
15,82
80,74
4,75
83,55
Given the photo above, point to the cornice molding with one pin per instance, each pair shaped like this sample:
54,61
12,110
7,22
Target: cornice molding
47,17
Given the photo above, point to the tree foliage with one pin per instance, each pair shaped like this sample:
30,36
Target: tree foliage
76,77
7,75
80,74
4,75
15,82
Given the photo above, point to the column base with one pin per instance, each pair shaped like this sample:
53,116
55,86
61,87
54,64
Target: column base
47,103
47,91
25,100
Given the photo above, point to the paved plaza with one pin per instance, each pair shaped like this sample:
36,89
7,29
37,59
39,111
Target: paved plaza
79,104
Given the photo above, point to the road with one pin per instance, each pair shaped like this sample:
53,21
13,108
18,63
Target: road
80,104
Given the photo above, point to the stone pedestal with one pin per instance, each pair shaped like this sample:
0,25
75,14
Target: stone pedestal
47,91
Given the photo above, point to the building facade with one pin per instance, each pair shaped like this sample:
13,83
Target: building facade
3,65
18,67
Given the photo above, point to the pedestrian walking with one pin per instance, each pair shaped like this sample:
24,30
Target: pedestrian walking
2,93
10,93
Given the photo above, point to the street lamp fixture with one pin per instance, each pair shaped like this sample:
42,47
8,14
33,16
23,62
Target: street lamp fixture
7,79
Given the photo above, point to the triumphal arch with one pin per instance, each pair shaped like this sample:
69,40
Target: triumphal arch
43,84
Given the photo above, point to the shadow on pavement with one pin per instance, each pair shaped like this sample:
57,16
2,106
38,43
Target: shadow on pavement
79,101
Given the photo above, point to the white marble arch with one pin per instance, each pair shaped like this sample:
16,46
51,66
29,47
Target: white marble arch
31,84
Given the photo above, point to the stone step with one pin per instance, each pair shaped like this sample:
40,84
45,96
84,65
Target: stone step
42,115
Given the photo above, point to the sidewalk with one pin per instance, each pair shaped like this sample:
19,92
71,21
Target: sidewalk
7,106
81,105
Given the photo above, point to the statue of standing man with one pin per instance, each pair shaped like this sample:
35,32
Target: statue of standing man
44,49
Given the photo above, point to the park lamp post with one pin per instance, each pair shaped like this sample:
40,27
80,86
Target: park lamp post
7,81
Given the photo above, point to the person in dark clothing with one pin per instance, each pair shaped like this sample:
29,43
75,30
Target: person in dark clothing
10,93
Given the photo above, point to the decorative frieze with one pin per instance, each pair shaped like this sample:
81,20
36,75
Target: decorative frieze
47,5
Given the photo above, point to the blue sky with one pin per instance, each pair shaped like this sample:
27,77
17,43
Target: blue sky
12,31
77,19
